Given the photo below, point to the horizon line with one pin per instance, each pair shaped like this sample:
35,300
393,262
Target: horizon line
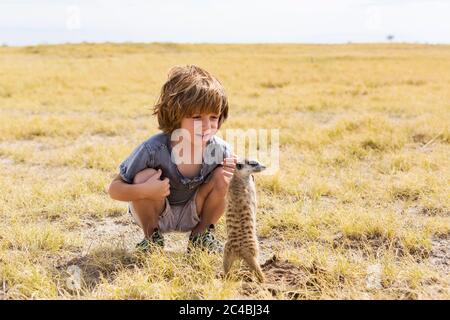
225,43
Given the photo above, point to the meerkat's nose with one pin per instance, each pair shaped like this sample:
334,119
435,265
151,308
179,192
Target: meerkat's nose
259,167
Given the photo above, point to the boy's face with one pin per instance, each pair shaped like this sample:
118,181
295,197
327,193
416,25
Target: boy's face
201,127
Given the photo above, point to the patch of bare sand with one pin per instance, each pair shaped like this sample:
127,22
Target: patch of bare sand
121,231
6,160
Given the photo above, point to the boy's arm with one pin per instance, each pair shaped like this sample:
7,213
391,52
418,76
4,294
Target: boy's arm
122,191
153,189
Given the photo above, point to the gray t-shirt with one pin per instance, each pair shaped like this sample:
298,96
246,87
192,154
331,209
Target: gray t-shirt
156,153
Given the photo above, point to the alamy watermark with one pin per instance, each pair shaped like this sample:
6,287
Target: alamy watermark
73,17
373,18
257,144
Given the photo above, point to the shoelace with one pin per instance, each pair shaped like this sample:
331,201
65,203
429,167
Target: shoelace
211,241
209,236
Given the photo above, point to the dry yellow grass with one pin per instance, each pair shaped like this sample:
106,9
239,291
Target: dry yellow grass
360,207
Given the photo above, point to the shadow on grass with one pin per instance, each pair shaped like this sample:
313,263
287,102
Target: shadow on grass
86,272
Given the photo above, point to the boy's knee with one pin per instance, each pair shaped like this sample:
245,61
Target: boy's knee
220,183
144,175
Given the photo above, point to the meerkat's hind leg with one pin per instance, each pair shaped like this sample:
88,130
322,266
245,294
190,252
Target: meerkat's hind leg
254,265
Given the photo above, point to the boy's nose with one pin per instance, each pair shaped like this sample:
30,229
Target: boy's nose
206,124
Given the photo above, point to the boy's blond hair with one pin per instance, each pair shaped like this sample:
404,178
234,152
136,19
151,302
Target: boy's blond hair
189,90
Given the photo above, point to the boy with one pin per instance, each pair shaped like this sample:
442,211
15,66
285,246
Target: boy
177,180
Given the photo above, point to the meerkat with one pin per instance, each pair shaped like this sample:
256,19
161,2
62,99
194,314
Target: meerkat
242,242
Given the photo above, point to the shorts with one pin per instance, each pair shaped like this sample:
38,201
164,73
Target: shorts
178,218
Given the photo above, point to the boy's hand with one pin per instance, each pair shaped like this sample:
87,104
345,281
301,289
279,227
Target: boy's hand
229,165
156,189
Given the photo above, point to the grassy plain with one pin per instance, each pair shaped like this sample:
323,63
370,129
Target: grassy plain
360,208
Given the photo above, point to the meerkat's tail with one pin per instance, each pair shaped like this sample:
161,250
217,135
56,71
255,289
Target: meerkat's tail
254,265
228,259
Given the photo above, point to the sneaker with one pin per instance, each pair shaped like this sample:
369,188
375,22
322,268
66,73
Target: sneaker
156,239
206,241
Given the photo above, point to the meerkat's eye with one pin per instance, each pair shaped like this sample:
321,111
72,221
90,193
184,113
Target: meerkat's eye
253,163
239,166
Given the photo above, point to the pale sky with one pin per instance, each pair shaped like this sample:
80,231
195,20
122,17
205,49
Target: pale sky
26,22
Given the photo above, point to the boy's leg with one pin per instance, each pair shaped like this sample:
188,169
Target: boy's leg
211,200
147,211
